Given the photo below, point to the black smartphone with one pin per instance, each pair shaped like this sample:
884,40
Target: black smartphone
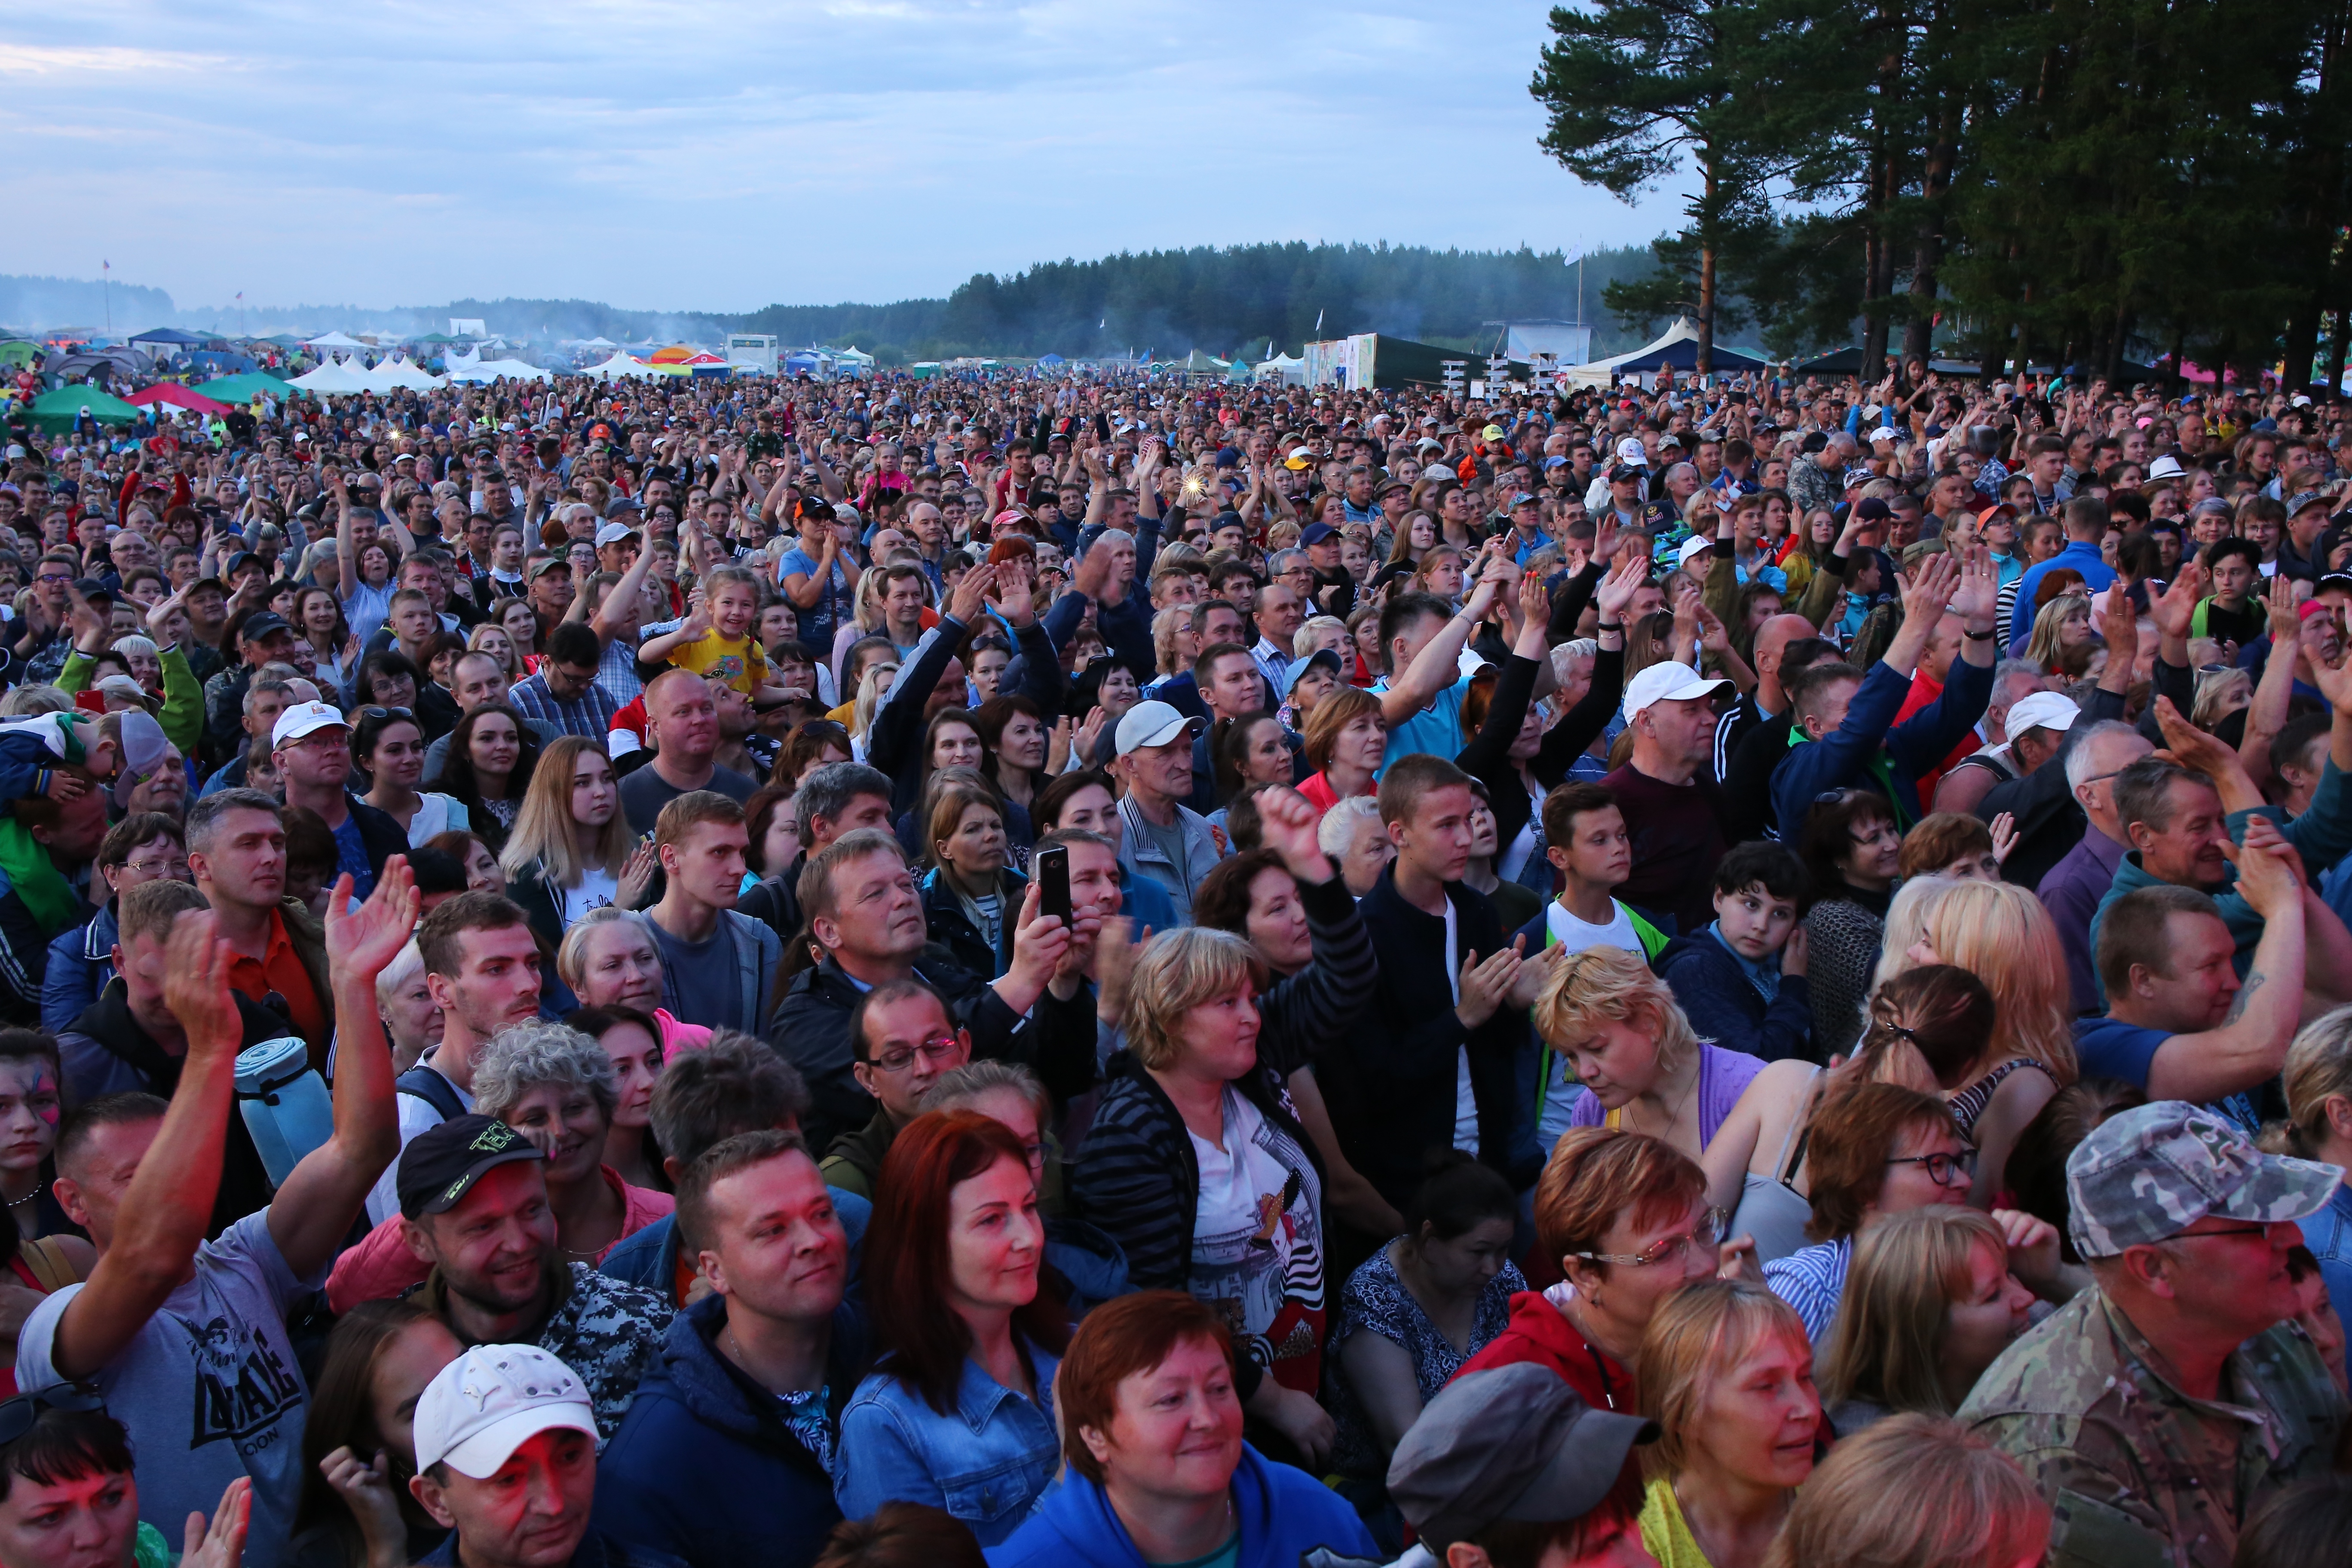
1053,869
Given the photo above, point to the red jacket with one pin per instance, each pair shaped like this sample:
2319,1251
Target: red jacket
1540,1333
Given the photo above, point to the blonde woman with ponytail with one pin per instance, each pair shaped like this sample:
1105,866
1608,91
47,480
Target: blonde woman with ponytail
2318,1082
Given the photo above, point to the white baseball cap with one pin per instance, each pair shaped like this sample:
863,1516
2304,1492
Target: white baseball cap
1666,682
1884,433
1154,723
303,718
1629,450
492,1400
612,534
1692,546
2041,711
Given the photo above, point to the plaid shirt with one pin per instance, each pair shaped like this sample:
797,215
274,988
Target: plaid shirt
591,714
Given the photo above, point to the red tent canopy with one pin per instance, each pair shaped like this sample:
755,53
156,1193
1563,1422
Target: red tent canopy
178,397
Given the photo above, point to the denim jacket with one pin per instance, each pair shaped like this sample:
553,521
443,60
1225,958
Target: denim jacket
986,1462
2328,1234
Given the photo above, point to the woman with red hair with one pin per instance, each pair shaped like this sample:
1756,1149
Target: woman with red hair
959,1411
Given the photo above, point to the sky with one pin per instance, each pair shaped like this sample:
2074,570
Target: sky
725,155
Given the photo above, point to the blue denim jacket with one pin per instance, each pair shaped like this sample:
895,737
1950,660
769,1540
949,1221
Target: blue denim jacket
986,1462
2328,1234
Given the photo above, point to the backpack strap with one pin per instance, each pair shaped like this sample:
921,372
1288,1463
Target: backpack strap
422,1083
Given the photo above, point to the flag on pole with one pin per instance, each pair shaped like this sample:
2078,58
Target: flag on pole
1319,321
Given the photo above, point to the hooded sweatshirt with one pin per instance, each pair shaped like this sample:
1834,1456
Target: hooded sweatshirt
1284,1514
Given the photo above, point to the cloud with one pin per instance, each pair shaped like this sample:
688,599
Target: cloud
730,154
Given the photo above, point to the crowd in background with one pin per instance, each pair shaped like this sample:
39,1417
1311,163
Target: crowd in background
897,972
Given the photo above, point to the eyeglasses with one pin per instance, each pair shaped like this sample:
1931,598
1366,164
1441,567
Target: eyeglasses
169,866
943,1048
18,1414
1707,1233
1941,1166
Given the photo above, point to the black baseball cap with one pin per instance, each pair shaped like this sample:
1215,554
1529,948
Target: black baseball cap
442,1163
258,627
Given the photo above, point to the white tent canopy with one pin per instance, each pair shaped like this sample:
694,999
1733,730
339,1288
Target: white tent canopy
598,343
622,367
482,370
333,341
397,372
1647,357
1288,369
334,376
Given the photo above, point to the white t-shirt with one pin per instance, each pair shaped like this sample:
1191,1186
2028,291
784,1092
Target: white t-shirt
438,815
596,889
1576,935
1248,1243
1466,1099
215,1363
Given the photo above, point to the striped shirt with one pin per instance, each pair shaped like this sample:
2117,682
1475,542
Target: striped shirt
1811,1279
590,714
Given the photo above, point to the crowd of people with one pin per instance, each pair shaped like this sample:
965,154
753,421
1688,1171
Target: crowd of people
896,974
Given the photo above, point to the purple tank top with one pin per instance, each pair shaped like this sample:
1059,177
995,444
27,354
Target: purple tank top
1723,1077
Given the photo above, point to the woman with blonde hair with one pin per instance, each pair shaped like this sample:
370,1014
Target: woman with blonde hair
610,958
1197,1166
2003,935
1633,1049
1728,1374
571,850
1930,1303
2063,639
872,688
491,639
1865,1506
2318,1082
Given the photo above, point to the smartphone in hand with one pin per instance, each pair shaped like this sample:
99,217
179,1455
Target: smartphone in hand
1053,870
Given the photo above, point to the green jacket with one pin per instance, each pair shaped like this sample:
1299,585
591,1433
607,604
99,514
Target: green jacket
2138,1474
183,717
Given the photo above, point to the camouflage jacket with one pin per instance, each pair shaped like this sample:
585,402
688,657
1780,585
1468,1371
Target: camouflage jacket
2138,1474
606,1330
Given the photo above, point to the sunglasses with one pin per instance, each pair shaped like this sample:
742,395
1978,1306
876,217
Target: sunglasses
386,713
18,1414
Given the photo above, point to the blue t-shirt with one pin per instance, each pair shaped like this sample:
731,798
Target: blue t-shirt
1436,729
2109,1047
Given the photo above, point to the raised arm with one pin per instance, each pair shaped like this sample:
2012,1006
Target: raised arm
323,1193
170,1201
1436,666
2250,1044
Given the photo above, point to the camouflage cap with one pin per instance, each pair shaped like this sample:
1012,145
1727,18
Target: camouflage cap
2155,1170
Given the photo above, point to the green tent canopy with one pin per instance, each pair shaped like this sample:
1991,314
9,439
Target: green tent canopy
19,352
246,387
56,410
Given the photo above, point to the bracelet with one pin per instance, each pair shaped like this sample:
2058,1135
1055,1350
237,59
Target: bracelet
1611,625
1979,636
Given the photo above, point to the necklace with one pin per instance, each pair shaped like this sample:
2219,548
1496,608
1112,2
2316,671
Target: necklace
1666,1134
28,1197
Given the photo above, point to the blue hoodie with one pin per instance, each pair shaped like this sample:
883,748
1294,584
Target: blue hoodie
1285,1514
704,1468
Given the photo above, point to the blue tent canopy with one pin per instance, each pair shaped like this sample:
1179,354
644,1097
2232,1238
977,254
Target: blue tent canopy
1051,359
172,335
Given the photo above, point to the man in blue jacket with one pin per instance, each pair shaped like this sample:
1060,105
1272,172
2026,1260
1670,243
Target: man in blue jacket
1846,737
725,1455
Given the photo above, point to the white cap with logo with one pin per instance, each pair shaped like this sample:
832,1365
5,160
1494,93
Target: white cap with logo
490,1401
1666,682
302,718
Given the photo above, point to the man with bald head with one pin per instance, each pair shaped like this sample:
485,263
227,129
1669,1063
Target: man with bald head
1768,701
682,728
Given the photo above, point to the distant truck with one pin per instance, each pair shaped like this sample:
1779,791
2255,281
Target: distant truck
753,352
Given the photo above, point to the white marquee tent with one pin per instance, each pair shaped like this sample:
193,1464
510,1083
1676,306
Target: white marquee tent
334,376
